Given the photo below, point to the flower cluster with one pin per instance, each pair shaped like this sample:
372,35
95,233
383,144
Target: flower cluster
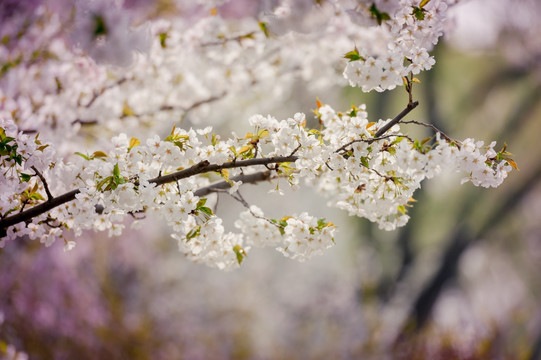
409,32
57,78
361,170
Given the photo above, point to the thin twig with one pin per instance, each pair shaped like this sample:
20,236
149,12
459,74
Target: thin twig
433,128
44,182
238,196
370,141
222,41
177,108
97,94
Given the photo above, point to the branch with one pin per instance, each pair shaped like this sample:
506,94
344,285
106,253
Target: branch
199,168
37,210
433,128
397,118
97,94
223,185
204,167
370,141
44,182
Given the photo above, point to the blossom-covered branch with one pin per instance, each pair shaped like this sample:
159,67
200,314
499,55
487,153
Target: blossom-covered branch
199,168
209,66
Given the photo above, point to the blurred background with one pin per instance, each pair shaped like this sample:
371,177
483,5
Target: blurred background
460,281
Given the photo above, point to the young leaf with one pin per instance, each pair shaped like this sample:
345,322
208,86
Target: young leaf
133,143
193,233
239,251
116,171
418,12
378,15
98,154
264,28
36,196
83,155
353,55
163,38
127,110
102,183
25,177
201,202
512,163
205,210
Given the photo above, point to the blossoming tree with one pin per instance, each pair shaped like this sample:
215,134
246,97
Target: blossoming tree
99,102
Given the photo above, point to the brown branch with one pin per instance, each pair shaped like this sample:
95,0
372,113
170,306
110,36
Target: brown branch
397,118
204,167
224,185
199,168
84,122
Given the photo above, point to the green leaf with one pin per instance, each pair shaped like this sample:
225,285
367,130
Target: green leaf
241,254
364,162
116,171
206,210
25,177
201,202
36,196
402,209
263,26
353,55
281,225
59,86
17,158
102,183
378,15
100,28
83,155
418,12
423,3
194,233
163,38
